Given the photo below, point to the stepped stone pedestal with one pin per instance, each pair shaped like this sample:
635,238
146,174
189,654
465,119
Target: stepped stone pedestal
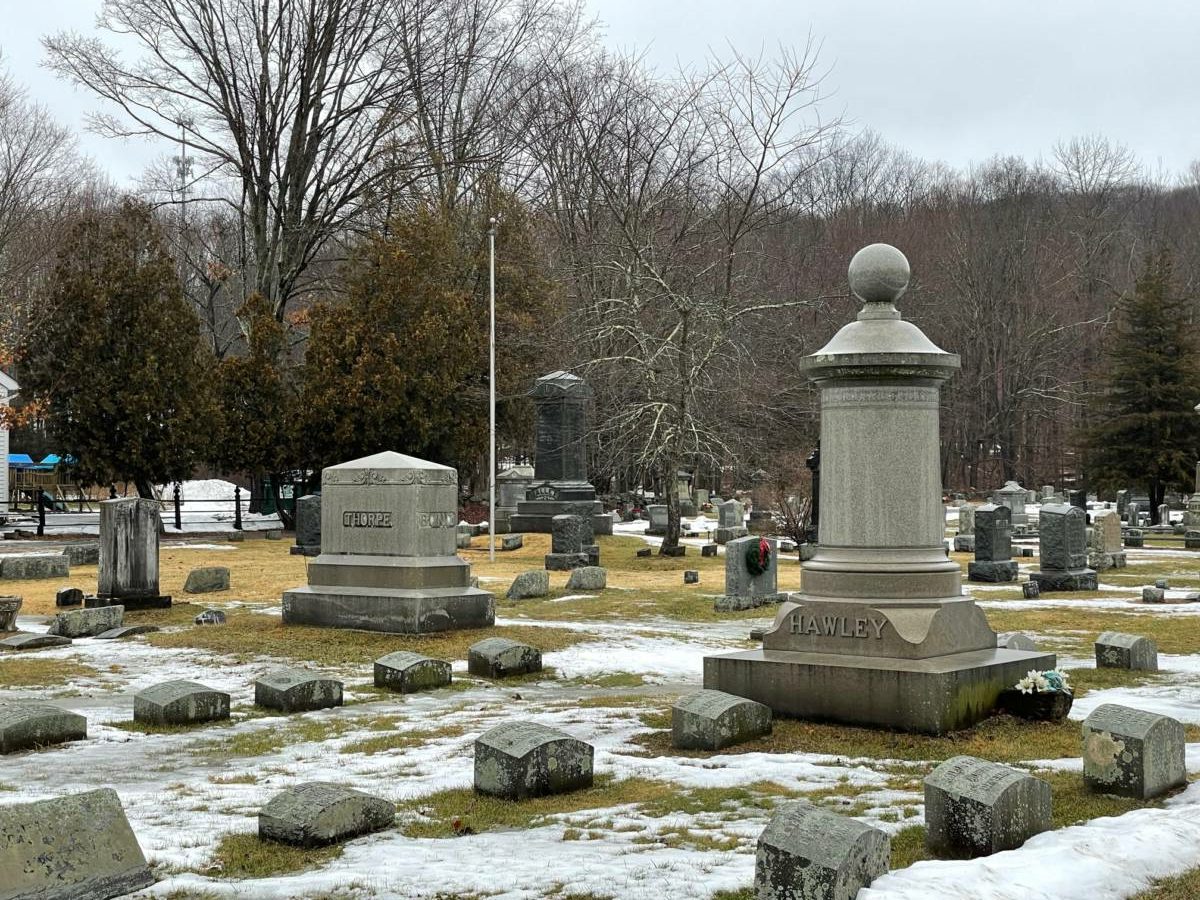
560,486
388,554
880,633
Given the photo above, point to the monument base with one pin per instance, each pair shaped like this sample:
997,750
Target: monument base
131,604
310,550
395,611
930,696
1065,579
737,602
563,562
992,570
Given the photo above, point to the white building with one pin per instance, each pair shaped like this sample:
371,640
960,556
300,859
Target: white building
8,390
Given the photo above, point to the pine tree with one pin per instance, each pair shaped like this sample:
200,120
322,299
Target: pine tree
1148,431
117,362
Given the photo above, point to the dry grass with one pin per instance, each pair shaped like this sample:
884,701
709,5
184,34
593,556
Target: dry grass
248,856
17,671
1178,887
1077,629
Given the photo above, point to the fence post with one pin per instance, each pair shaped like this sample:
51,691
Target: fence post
112,492
41,530
237,507
178,518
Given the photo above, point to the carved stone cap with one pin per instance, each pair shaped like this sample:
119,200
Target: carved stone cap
560,384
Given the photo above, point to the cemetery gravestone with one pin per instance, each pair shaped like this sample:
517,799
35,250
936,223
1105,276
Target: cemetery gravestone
535,583
318,813
657,517
1132,753
24,640
207,580
1153,595
388,557
179,703
1107,551
78,847
87,622
27,725
210,617
1014,497
86,553
308,526
1191,540
708,550
806,853
68,596
743,588
114,634
567,544
731,522
588,578
993,546
499,657
1135,538
1063,551
560,477
9,607
128,572
1030,590
297,690
34,566
512,542
1164,514
713,720
517,760
408,672
966,519
976,808
511,485
880,633
1116,650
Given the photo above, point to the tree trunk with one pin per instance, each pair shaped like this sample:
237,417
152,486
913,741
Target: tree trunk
285,515
671,540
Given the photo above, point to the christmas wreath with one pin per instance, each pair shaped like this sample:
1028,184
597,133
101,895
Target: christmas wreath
758,557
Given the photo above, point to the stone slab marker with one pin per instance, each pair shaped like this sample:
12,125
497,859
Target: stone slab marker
206,580
880,634
87,622
1117,650
974,807
993,546
179,703
27,640
27,725
742,589
713,720
78,847
308,526
34,566
534,583
568,543
116,634
498,657
318,813
1131,752
731,522
129,554
806,853
656,516
966,519
388,559
408,672
1063,551
297,690
517,760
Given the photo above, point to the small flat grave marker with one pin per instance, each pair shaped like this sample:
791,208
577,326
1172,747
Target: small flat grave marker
498,657
713,720
115,634
27,640
297,690
179,703
1117,650
517,760
408,672
976,808
318,813
806,853
1131,752
27,725
79,623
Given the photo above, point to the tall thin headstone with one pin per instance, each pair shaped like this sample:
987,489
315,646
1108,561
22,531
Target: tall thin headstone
1063,550
993,546
128,571
880,633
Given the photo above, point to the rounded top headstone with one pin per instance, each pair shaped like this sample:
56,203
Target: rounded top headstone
879,273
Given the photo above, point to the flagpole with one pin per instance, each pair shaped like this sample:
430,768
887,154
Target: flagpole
492,390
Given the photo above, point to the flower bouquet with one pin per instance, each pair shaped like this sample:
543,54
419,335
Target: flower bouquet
1041,696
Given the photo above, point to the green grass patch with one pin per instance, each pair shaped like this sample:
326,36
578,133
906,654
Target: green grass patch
1178,887
26,672
401,740
249,636
1079,628
247,856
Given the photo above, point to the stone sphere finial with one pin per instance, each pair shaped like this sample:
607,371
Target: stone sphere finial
879,274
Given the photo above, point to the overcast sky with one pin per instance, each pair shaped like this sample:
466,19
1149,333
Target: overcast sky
952,80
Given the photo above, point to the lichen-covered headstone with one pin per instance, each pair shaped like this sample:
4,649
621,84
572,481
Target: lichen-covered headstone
408,672
78,847
297,690
26,725
1131,752
179,703
35,566
974,807
207,579
1117,650
517,760
713,720
806,853
966,519
318,813
87,622
527,585
498,657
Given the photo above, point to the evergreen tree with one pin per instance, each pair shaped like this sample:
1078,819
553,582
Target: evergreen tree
402,362
1147,431
117,362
